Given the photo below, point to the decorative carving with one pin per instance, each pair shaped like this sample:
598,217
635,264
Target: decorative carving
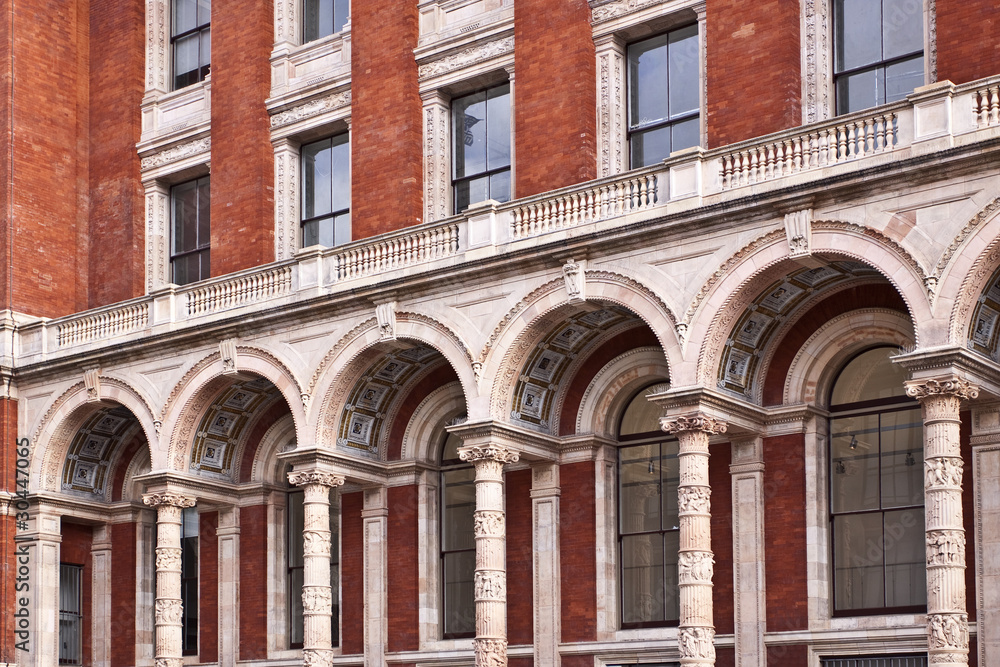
92,381
168,612
798,230
985,213
489,524
317,600
178,152
311,108
695,566
490,585
335,350
474,453
169,662
575,280
314,477
227,352
466,57
316,657
168,558
945,547
694,499
385,313
316,543
948,631
612,10
490,652
635,285
696,642
957,387
943,471
168,499
693,423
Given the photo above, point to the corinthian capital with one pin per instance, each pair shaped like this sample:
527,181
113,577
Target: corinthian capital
475,453
957,387
695,422
171,499
307,477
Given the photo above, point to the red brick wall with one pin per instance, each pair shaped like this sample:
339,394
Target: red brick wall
75,550
725,657
253,568
752,46
121,467
968,38
386,132
520,591
352,590
266,421
555,97
436,379
578,660
8,562
797,654
116,225
869,296
722,536
208,583
242,156
631,339
404,604
578,552
785,534
123,611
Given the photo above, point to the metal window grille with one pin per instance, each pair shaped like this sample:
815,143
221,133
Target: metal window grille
876,661
70,615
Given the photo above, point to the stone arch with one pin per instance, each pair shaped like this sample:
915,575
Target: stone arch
609,392
265,466
768,260
421,440
56,429
205,380
970,268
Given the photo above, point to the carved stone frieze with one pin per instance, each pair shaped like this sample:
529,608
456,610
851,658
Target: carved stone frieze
943,471
695,566
945,547
317,657
474,453
612,10
490,585
178,152
316,543
315,477
317,599
694,423
311,108
168,499
466,57
488,523
169,612
696,642
169,662
948,632
958,387
168,558
694,499
490,652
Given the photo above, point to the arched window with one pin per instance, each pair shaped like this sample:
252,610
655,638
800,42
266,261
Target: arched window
876,489
458,542
648,525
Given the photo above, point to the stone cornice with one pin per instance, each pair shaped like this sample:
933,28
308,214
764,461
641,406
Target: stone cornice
353,470
531,445
953,363
741,418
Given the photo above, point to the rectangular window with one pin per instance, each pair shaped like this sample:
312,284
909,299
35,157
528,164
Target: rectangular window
190,235
296,570
326,192
458,551
481,146
323,17
663,96
190,40
189,580
648,534
879,51
70,614
876,661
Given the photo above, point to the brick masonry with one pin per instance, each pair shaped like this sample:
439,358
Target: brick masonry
75,550
253,567
520,590
722,536
403,575
785,535
578,552
208,583
968,39
352,602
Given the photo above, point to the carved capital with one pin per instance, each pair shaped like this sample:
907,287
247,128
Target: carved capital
474,453
957,387
694,422
169,499
307,477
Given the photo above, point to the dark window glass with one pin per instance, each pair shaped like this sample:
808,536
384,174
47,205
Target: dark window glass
190,237
879,51
189,580
323,17
70,614
191,40
876,489
481,141
663,95
326,192
458,542
296,569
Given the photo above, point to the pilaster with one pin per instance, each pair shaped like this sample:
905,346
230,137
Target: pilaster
42,541
286,197
986,495
228,533
375,522
612,147
747,471
437,155
100,553
545,573
157,198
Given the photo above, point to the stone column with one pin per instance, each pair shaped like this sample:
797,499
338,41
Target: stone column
375,527
491,539
696,634
947,620
101,622
169,608
228,533
986,482
747,471
546,584
317,602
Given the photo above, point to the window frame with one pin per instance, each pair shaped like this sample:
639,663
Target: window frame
76,616
203,250
304,37
488,173
190,545
335,213
449,466
203,70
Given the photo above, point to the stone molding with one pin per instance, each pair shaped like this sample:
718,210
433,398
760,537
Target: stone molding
466,57
177,153
168,499
704,423
307,477
311,108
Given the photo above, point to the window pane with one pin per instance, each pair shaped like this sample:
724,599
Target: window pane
858,91
340,11
340,164
647,61
204,213
642,578
184,16
310,233
869,376
670,476
857,561
671,592
905,554
650,147
317,170
459,604
685,135
186,60
296,519
500,186
639,476
469,123
342,229
184,201
297,626
498,127
641,416
854,460
902,459
459,506
903,77
683,71
206,53
902,27
468,192
70,621
204,12
858,33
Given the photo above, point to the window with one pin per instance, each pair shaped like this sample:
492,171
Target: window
323,17
663,100
190,235
191,40
458,542
189,581
876,661
879,51
326,192
648,524
296,569
481,145
876,489
70,614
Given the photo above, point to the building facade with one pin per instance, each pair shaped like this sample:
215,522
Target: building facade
500,332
